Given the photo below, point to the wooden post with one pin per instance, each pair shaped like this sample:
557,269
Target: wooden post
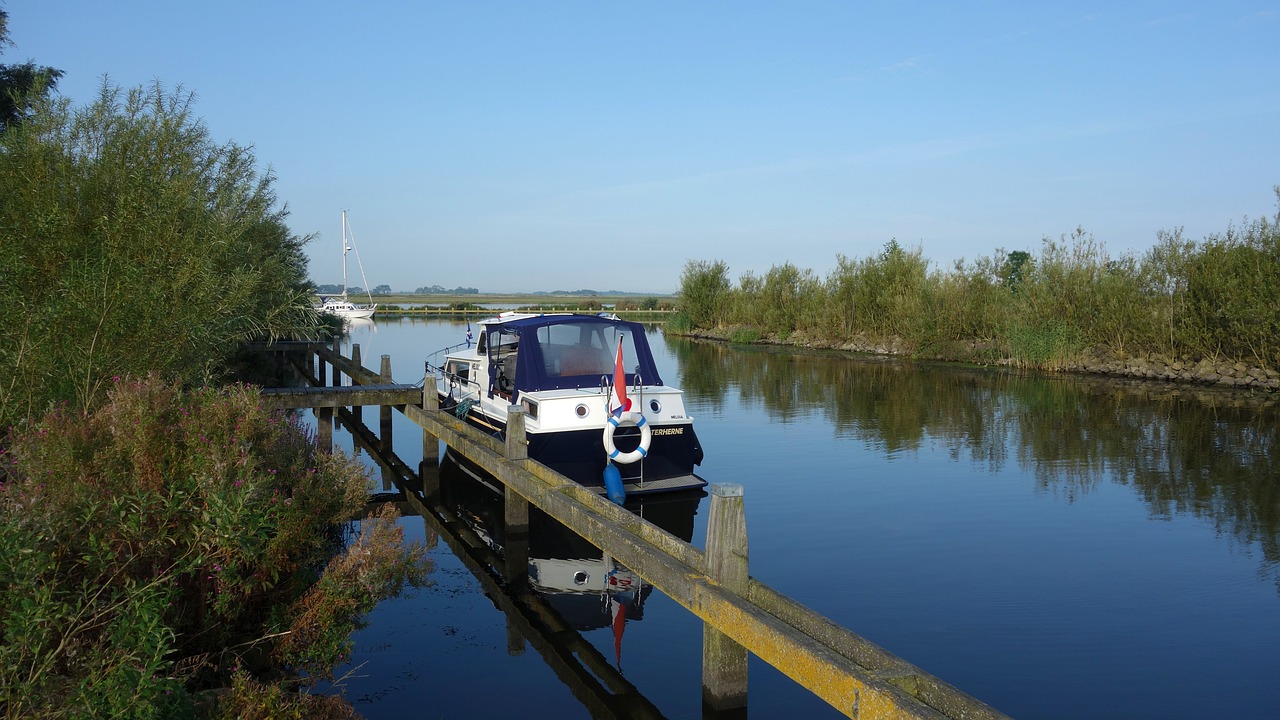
724,662
517,449
515,557
431,404
324,425
357,411
337,350
384,411
278,355
319,367
516,507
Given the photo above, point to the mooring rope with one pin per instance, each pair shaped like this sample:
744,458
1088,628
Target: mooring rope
463,408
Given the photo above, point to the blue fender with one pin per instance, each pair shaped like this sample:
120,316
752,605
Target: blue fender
613,484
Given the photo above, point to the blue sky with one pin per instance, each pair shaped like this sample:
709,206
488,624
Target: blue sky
521,146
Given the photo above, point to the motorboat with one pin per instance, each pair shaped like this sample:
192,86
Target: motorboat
594,406
339,304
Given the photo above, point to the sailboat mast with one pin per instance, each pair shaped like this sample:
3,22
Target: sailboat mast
344,254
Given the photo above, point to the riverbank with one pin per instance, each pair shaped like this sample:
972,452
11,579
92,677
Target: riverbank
1227,374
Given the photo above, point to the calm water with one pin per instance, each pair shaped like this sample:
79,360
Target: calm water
1056,548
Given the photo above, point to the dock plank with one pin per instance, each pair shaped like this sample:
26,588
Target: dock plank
344,396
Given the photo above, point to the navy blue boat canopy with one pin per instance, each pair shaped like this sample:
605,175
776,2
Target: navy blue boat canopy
550,352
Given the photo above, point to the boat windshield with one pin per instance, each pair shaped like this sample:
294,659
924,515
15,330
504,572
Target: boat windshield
589,348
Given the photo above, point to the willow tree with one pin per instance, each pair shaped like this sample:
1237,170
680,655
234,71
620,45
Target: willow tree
133,243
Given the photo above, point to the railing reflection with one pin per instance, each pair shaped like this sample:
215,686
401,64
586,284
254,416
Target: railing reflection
590,589
460,507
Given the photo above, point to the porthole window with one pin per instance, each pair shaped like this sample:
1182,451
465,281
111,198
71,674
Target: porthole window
582,410
580,578
655,406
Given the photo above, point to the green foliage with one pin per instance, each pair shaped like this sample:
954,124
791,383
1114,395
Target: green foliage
1216,298
1045,345
782,297
21,86
134,243
679,322
249,699
703,289
1233,291
148,541
1013,268
744,335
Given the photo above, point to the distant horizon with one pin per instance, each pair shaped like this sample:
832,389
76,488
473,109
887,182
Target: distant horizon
562,144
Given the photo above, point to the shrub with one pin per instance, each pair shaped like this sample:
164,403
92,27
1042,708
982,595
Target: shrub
134,243
154,542
1183,299
703,287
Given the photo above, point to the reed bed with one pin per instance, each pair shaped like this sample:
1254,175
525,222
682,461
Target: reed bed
1073,303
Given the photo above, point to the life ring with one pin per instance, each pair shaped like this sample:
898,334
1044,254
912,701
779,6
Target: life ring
630,418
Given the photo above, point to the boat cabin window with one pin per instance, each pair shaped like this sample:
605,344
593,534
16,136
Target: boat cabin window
571,349
460,369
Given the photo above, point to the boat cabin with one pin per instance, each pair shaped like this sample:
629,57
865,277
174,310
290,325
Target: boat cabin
552,352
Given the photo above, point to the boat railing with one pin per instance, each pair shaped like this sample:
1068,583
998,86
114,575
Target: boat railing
433,364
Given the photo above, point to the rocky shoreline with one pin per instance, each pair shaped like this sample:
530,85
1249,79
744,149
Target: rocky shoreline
1203,372
1222,374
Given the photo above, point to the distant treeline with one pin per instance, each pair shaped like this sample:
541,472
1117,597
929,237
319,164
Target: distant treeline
1214,298
334,289
437,290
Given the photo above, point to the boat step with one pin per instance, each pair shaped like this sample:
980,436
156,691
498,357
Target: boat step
668,484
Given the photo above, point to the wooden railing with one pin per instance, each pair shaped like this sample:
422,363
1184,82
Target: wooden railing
740,614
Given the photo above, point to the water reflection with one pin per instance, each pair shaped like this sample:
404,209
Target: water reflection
588,589
1205,453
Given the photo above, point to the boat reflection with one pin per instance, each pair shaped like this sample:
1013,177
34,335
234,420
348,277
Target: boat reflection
587,588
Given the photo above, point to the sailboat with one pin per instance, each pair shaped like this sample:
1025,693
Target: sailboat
339,305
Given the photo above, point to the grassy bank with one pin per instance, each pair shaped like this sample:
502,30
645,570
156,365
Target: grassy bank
1071,306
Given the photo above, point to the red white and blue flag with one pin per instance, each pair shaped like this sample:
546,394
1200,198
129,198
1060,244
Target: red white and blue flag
620,402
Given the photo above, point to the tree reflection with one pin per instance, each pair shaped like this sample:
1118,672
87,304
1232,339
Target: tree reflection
1206,453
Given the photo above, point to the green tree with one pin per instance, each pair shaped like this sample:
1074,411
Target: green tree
21,85
1014,268
703,287
133,243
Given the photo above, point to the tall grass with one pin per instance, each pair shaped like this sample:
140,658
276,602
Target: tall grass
132,242
1071,300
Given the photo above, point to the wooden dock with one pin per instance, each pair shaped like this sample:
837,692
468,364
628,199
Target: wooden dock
740,614
342,396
